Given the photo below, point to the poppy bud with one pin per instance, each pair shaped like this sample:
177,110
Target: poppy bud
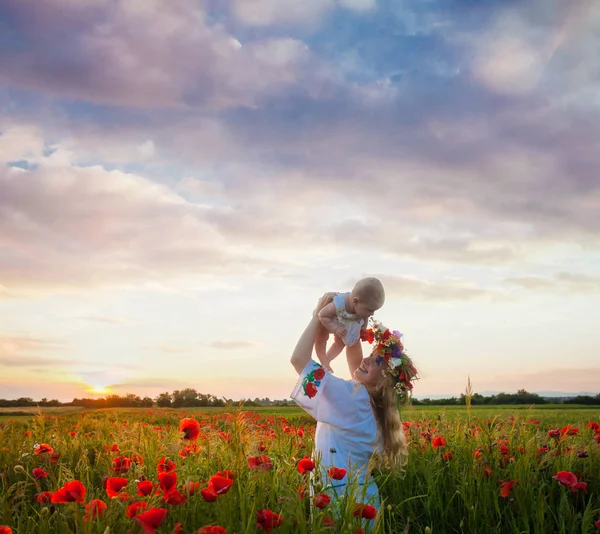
19,469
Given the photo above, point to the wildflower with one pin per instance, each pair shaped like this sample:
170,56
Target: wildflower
38,473
136,459
190,488
337,473
597,524
73,491
448,456
144,488
167,482
321,500
267,520
190,428
212,530
569,430
114,485
121,464
165,465
5,529
506,488
208,494
261,462
93,509
175,497
151,519
438,442
225,474
328,521
566,478
43,448
554,434
306,464
366,511
219,484
44,497
135,508
594,426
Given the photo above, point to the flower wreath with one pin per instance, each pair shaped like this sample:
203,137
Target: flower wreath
389,347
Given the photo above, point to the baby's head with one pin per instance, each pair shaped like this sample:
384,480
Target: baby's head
367,297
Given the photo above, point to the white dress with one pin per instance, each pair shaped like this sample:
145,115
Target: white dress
346,434
350,321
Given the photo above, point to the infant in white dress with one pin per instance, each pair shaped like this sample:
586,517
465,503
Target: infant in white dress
345,316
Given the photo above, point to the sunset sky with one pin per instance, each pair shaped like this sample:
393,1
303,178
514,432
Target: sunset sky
180,180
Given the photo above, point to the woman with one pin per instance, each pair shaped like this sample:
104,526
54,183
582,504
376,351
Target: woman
356,419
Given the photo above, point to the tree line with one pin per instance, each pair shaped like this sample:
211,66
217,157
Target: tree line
189,397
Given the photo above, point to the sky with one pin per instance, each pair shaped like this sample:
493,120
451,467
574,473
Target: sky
180,181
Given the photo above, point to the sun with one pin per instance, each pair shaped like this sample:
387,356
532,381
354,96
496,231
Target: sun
99,390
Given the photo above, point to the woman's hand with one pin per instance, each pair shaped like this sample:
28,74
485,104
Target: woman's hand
323,301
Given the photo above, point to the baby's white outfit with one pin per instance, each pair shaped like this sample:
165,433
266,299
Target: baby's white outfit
346,434
350,321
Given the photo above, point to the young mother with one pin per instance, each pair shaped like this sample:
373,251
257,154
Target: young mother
356,419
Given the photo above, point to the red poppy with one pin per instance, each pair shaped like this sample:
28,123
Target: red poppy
337,473
310,390
208,494
506,488
597,438
267,519
165,466
597,524
38,473
301,491
135,508
566,478
177,529
319,373
144,488
366,511
190,428
212,530
328,521
569,430
594,426
579,486
220,484
261,462
43,448
151,519
167,481
554,433
44,498
73,491
367,335
225,474
175,497
306,464
54,457
448,456
93,509
321,500
438,442
136,459
5,530
190,488
120,464
114,485
114,448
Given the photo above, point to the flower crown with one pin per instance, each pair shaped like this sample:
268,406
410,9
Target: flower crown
389,347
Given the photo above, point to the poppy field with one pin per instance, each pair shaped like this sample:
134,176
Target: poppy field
188,471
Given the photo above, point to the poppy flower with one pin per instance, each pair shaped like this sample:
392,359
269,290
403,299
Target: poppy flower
306,464
136,459
448,456
190,428
328,521
225,474
151,519
438,442
506,488
165,465
301,491
54,457
121,464
135,508
597,438
594,426
43,448
73,491
310,390
367,335
220,484
114,485
208,494
569,430
212,530
38,473
554,433
566,478
114,448
190,488
366,511
337,473
321,500
177,529
597,524
144,488
579,486
93,509
261,462
175,497
267,519
167,481
5,529
319,373
44,497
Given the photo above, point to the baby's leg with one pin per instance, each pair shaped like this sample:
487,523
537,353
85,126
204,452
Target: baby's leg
321,338
335,349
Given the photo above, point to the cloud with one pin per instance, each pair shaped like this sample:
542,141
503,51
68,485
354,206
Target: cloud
16,351
562,281
443,290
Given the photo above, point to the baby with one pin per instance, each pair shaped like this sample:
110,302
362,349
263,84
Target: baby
345,316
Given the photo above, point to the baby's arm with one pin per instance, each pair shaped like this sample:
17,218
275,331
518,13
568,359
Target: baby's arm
354,357
327,316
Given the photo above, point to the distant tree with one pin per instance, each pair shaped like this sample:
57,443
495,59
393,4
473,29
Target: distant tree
164,400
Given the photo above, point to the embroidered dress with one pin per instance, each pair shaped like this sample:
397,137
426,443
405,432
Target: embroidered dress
346,434
350,321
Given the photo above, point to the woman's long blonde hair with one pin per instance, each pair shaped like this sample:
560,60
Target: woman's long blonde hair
387,415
